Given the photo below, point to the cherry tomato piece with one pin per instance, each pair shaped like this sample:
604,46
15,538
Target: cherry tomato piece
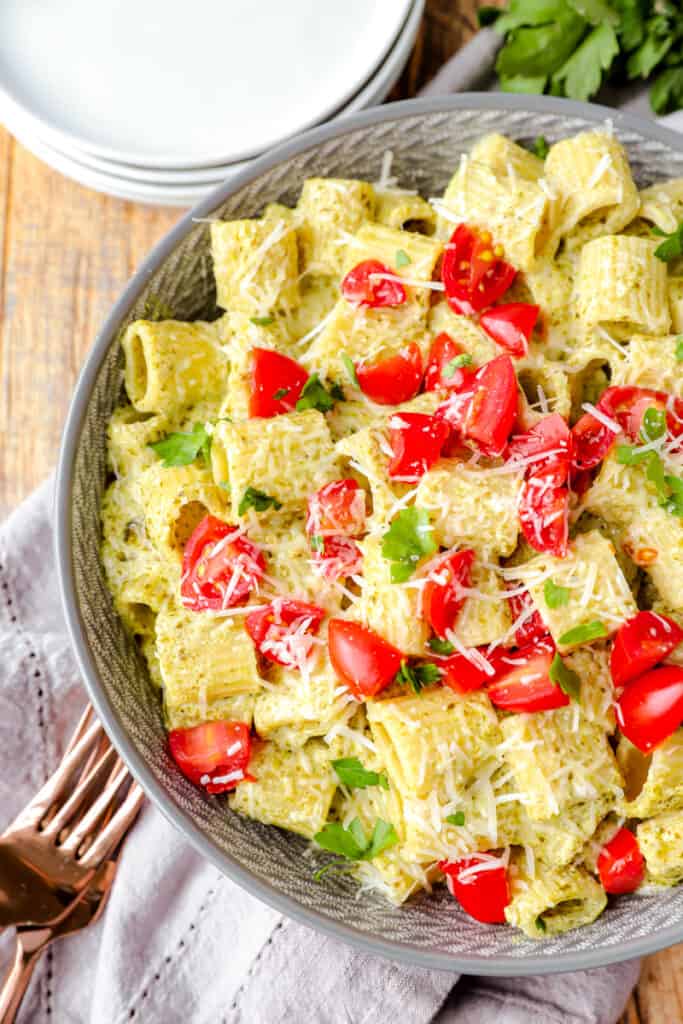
641,643
372,284
621,865
338,557
544,515
337,509
442,353
473,271
442,597
220,566
363,660
548,444
214,755
483,894
511,326
523,682
276,383
592,441
651,707
283,631
532,627
462,675
392,380
416,441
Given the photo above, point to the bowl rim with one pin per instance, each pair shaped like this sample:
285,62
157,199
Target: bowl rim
503,965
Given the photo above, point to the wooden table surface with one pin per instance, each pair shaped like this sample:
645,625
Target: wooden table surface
66,253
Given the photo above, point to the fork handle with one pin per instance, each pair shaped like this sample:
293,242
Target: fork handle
29,948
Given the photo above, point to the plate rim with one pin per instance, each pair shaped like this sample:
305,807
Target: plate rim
500,966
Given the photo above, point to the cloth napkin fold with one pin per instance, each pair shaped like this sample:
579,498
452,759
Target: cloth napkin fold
179,943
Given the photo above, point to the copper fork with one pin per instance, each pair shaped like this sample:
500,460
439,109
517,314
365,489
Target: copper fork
50,853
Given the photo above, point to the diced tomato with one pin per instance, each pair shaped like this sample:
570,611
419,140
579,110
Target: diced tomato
442,597
338,557
392,380
220,566
641,643
462,675
337,509
276,383
363,660
592,441
511,326
544,515
482,894
484,410
651,707
523,682
626,405
416,441
214,755
532,627
621,865
367,285
283,631
473,270
548,443
443,351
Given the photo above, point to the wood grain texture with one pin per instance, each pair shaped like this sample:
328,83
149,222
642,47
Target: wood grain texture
65,254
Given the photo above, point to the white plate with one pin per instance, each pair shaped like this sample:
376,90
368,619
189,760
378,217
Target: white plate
164,83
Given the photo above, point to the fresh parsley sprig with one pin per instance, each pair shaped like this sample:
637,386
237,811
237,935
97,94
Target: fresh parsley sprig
258,500
316,396
352,844
183,447
352,774
409,538
418,676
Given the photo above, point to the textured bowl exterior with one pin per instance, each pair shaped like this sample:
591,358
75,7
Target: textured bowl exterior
427,138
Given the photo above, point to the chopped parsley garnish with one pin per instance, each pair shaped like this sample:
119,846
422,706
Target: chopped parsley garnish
402,258
257,500
350,369
674,503
672,246
540,924
352,844
409,538
540,147
351,773
584,634
180,449
555,596
628,455
464,359
280,393
316,396
440,646
317,542
564,677
653,425
418,676
669,488
262,321
456,819
679,348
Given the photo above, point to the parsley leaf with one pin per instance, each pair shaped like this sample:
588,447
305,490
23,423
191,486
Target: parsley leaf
440,646
280,393
628,455
464,359
529,12
352,843
666,94
383,838
456,819
409,538
656,475
262,321
257,500
317,542
584,634
540,924
540,147
555,596
524,84
315,396
351,773
654,47
581,75
672,246
674,503
180,449
418,676
350,369
653,425
679,348
567,680
542,49
402,258
597,12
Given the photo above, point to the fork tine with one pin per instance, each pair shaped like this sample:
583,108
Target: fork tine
107,841
79,731
91,819
89,786
58,783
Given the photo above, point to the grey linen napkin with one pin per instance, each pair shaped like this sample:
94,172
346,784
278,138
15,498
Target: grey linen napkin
178,941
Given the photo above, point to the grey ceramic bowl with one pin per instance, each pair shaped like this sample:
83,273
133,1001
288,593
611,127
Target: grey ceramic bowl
427,138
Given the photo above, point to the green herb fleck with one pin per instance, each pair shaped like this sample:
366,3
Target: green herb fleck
672,246
315,396
464,359
540,924
418,676
456,819
337,392
567,680
262,321
350,369
555,596
180,449
409,538
540,147
674,503
257,500
583,634
280,394
317,542
402,258
679,348
653,425
351,773
440,646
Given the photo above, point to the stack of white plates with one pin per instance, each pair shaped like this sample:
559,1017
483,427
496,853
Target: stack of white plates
160,100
